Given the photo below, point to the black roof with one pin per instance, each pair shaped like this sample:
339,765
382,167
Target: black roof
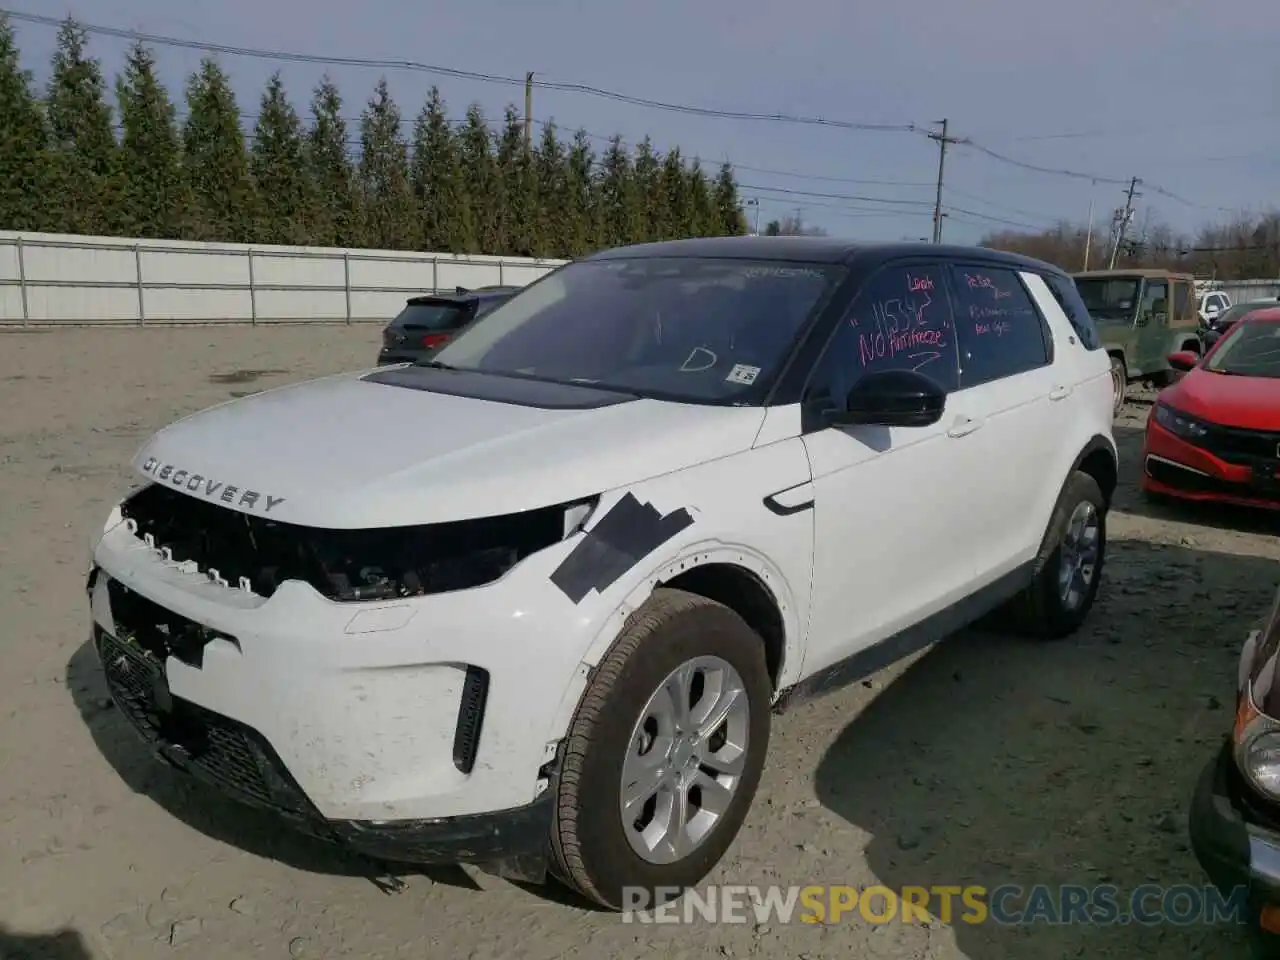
815,250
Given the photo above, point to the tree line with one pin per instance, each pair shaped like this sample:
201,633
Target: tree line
1245,248
69,163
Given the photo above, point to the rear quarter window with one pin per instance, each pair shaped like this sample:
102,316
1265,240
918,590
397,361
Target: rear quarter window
1068,297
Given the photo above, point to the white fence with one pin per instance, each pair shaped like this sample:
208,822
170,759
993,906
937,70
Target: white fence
1242,291
55,279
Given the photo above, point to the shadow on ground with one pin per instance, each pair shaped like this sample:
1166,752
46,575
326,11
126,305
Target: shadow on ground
63,945
997,760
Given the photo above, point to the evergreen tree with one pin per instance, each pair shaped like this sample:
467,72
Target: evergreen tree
647,171
518,187
730,220
279,171
618,219
703,220
335,218
480,176
85,161
675,188
24,187
550,163
437,182
386,199
150,150
215,161
580,198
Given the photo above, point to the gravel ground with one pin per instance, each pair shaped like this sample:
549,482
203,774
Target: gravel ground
985,760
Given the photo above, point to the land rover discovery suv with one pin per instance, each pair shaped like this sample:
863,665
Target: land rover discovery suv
531,603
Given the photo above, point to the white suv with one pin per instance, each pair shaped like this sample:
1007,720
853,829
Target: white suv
531,603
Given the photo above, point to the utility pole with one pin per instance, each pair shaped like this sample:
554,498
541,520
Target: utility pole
942,141
1125,217
1088,237
528,111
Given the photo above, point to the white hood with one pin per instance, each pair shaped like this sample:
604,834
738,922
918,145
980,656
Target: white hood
342,452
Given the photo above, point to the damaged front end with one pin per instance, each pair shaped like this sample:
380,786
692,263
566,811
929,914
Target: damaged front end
257,554
1235,811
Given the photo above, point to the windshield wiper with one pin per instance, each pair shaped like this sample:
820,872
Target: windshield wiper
434,365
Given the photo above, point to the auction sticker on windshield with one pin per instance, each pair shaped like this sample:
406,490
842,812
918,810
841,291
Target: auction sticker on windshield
743,373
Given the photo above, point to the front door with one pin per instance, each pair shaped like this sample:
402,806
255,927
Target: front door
890,502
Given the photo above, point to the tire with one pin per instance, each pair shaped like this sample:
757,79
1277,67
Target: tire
1044,609
592,849
1119,384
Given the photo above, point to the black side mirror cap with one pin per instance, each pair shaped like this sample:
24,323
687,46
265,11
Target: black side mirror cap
892,398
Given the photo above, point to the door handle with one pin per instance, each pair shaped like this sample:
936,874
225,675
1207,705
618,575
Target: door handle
1060,393
963,426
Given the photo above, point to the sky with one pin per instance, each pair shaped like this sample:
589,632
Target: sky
1184,94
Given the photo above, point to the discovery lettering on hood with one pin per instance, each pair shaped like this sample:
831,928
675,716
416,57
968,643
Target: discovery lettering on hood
211,489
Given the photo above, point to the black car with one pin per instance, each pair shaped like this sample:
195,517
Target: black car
1235,813
428,322
1216,327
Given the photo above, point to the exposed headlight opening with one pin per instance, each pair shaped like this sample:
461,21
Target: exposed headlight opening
382,563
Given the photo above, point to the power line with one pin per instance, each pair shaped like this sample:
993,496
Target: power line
419,67
600,92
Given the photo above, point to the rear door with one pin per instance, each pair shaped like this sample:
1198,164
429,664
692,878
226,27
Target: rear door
1006,370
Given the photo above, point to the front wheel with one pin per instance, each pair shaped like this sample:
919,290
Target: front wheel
664,754
1069,567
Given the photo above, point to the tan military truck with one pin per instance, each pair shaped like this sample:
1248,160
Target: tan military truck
1142,316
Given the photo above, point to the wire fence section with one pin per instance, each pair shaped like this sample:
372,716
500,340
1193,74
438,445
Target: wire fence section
57,280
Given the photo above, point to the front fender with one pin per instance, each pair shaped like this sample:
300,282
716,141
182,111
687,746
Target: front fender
728,523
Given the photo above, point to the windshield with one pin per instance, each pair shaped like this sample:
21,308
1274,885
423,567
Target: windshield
432,316
1251,349
1109,298
691,329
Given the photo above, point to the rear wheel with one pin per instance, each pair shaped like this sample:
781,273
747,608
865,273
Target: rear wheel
1119,384
664,754
1069,567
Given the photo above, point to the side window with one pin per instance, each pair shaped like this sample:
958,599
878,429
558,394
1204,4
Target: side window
900,320
998,329
1068,297
1155,303
1181,296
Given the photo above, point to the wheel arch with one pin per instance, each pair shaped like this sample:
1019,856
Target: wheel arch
1101,461
736,576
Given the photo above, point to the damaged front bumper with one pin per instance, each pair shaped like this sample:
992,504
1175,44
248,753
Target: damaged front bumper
415,731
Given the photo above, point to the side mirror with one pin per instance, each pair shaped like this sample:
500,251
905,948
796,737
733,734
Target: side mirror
893,398
1183,360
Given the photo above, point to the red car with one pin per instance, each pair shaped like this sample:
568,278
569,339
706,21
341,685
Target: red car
1215,433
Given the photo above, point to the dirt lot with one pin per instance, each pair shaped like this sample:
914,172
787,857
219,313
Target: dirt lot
985,760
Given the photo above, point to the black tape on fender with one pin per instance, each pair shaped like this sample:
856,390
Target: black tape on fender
625,535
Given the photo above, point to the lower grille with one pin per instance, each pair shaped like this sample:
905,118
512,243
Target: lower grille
216,749
1192,482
